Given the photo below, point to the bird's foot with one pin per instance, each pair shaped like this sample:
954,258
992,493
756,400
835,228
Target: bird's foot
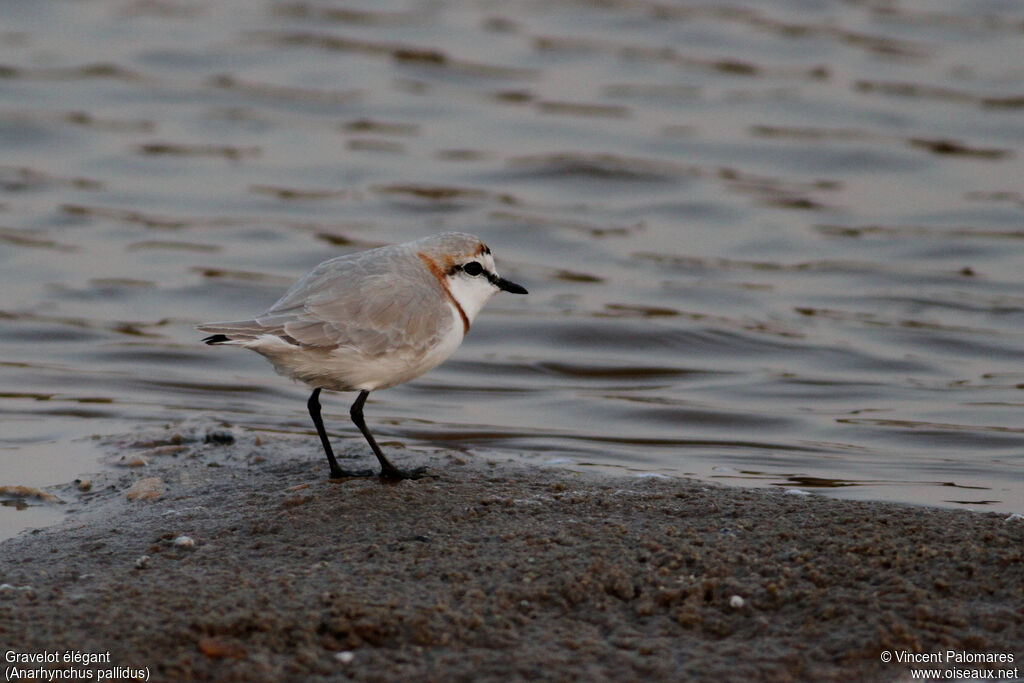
394,474
350,474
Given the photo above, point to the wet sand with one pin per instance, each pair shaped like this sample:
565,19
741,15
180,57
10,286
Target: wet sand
494,571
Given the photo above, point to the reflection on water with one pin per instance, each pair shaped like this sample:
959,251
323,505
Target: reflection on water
770,244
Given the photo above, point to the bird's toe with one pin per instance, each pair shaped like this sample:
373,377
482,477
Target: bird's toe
350,474
396,474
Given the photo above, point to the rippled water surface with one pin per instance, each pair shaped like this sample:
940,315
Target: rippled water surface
774,243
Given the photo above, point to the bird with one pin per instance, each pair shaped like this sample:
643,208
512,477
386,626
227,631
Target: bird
370,320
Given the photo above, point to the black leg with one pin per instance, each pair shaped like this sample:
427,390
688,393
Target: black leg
314,412
387,470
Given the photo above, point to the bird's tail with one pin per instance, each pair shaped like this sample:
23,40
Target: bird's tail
238,332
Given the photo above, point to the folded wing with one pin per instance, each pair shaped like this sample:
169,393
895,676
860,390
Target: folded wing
374,302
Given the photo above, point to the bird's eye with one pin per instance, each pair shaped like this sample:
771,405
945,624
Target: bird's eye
473,268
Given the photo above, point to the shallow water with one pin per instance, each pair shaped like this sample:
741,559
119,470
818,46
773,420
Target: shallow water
776,243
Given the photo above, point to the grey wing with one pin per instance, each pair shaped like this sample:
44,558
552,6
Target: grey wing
376,302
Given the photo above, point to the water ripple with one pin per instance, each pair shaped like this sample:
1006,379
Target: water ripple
775,244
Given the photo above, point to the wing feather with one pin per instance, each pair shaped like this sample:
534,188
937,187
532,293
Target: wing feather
376,302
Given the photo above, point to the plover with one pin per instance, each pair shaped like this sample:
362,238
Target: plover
371,320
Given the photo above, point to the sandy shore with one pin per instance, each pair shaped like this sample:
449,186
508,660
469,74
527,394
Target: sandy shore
494,572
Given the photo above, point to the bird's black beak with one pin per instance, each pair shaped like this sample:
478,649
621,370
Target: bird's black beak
508,286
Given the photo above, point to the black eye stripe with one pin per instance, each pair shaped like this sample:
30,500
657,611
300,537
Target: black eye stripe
474,269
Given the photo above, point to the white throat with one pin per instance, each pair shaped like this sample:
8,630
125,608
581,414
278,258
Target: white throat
471,294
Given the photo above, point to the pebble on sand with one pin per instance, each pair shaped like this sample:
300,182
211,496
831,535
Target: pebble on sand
149,488
27,492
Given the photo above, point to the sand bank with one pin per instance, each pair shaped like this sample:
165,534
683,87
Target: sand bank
243,562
